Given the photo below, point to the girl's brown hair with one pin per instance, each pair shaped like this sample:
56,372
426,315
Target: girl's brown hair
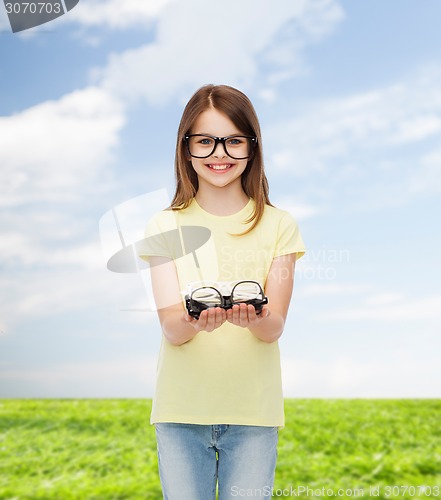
240,111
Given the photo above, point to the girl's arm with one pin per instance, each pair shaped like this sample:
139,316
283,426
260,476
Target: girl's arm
268,326
178,326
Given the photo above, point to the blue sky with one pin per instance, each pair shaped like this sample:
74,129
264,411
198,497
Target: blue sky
349,98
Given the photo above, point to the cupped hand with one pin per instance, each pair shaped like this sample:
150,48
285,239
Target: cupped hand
244,315
209,319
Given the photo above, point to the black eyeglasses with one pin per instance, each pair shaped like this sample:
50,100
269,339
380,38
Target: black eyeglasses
243,292
238,147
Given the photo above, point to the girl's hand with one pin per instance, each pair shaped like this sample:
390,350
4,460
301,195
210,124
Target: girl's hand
209,319
245,315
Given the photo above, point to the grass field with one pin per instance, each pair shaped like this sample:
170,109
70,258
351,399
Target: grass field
105,450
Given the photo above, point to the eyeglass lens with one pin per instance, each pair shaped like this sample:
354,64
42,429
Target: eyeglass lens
242,292
246,291
207,295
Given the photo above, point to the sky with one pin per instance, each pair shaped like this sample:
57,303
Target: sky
348,94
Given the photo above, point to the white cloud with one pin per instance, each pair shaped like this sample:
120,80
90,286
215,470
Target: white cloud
132,377
427,178
116,14
416,129
403,375
48,236
384,298
197,44
53,265
385,139
55,158
54,148
299,210
267,95
319,289
390,309
62,287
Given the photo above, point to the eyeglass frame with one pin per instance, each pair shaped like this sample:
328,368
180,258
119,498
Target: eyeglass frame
226,301
221,140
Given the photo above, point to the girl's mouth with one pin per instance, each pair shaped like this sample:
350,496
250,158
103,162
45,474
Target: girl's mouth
219,167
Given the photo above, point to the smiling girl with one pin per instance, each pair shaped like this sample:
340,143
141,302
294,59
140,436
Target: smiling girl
218,402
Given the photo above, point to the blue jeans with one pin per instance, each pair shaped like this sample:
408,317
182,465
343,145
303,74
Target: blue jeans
193,458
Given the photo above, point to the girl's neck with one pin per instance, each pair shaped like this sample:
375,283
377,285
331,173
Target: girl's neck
226,200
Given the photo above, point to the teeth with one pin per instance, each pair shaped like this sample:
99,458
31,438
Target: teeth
220,167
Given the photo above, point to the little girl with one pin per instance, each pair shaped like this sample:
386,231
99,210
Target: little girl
218,402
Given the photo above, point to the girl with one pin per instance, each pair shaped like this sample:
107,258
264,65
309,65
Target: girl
218,401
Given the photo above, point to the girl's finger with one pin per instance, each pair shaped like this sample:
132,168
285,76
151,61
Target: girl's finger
265,312
209,324
201,323
220,316
244,315
236,314
214,319
252,316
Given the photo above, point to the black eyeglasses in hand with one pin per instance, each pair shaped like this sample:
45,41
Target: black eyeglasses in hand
243,292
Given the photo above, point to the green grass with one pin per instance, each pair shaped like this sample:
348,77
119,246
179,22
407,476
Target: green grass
361,444
105,449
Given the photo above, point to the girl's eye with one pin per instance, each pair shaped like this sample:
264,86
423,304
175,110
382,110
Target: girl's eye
206,141
235,141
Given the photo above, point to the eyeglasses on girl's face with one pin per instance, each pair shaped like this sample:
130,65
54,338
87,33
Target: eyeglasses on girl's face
238,147
243,292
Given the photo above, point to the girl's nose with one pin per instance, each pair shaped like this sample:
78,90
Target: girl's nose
219,151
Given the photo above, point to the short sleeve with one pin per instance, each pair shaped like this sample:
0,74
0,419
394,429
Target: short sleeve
289,239
161,237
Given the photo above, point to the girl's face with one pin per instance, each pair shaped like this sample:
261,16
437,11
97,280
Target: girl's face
219,169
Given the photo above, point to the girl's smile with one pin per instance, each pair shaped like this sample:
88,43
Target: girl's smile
219,167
